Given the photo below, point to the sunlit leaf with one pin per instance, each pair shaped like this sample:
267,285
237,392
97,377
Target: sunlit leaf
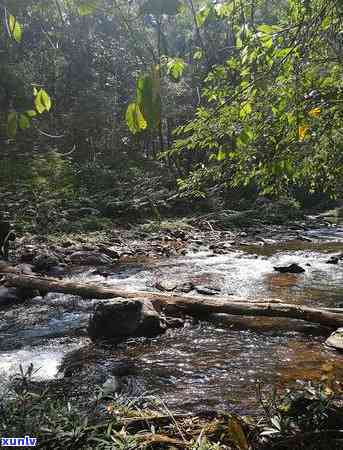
31,113
268,29
148,99
221,155
42,101
303,129
315,112
135,119
202,15
15,28
175,68
245,110
224,9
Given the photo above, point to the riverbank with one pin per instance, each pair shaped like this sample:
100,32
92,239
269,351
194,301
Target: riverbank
309,418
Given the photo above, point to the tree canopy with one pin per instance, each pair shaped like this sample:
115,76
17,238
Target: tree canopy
219,93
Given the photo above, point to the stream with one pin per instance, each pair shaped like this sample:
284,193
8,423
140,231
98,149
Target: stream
203,365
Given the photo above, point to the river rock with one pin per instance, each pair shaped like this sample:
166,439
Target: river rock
86,258
165,286
336,339
186,287
333,260
120,319
205,290
292,268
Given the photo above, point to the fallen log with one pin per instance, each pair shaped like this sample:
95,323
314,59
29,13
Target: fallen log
171,303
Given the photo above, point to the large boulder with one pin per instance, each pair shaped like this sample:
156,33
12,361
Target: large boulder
120,319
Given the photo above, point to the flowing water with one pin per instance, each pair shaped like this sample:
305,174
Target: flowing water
202,365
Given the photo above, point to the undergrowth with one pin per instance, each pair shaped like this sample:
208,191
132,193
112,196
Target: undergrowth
309,418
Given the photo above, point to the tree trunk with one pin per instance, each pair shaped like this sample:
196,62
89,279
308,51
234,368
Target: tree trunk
171,303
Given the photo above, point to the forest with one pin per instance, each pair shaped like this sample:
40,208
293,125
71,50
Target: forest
171,226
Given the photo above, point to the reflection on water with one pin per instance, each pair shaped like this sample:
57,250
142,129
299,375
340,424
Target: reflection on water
208,365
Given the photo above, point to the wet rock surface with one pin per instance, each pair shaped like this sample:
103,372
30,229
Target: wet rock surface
292,268
120,319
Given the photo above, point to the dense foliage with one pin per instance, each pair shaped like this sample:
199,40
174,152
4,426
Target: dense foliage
226,97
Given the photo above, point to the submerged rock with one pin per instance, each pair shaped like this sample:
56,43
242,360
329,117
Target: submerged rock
292,268
120,319
336,339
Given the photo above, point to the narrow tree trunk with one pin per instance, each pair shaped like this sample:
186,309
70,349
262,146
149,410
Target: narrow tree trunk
172,303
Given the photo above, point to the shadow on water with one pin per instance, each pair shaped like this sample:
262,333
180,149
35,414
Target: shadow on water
216,364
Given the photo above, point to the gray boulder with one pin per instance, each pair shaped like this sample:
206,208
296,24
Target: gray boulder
120,319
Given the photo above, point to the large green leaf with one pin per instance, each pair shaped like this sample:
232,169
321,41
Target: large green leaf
159,7
148,99
42,101
12,124
15,28
135,119
175,68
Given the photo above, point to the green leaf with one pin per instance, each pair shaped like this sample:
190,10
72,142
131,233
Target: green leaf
175,68
224,9
268,29
203,15
221,155
24,122
15,28
12,124
198,55
134,118
46,100
148,100
31,113
42,101
246,109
